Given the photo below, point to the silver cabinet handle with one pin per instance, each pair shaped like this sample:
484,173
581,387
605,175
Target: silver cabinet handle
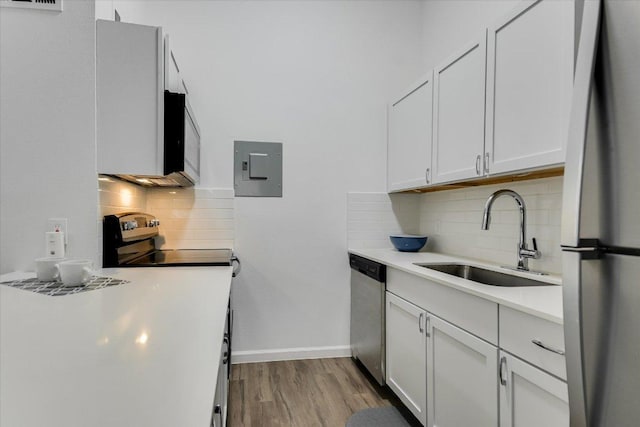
486,162
427,175
548,348
503,365
237,270
420,322
478,157
428,326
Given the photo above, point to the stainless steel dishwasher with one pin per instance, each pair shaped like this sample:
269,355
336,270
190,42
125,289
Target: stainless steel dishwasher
367,315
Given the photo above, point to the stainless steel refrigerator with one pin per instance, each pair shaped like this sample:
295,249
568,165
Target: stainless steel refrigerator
601,219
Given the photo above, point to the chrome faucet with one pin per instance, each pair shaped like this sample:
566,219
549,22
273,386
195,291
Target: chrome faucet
524,253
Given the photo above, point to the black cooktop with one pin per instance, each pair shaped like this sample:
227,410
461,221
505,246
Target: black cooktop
183,257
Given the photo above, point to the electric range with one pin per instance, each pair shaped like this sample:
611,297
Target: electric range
129,241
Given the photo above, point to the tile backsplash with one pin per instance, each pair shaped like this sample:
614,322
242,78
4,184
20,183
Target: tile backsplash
116,196
452,221
193,218
372,217
190,218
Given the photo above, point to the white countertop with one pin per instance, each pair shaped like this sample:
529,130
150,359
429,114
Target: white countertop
82,359
540,301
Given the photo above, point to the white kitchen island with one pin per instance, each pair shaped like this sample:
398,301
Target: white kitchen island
144,353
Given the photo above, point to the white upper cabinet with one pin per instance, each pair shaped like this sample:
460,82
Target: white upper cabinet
130,98
462,377
529,84
458,123
410,133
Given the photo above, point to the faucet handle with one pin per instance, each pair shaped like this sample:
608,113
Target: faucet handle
531,253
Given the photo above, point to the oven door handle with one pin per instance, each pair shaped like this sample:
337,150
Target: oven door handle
236,271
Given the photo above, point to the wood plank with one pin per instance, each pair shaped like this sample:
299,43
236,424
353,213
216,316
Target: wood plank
318,392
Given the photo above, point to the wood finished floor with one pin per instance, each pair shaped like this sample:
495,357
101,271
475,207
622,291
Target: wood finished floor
302,393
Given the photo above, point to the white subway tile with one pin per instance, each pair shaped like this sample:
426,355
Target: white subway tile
185,203
452,219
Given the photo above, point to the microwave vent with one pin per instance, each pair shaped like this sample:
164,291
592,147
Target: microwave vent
171,180
165,182
53,5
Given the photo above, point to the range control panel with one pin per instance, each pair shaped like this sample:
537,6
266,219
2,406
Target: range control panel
137,225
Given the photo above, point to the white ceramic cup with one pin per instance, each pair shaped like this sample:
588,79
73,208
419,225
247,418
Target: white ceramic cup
75,272
46,270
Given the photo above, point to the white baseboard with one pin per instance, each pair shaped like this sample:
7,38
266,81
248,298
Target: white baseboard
253,356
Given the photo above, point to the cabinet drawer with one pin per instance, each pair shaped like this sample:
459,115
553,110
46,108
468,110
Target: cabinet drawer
519,330
468,312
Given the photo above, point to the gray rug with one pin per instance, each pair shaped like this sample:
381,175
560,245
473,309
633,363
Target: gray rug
387,416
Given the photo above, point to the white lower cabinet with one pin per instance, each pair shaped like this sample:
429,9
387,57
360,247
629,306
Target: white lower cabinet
448,376
530,397
407,354
462,377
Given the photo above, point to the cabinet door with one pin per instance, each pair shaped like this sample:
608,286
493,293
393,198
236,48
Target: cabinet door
129,98
529,83
459,96
462,377
530,397
406,354
410,133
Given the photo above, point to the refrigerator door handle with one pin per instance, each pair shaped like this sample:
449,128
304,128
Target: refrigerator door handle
578,123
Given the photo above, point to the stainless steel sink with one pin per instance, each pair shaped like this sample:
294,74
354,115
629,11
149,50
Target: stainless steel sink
484,276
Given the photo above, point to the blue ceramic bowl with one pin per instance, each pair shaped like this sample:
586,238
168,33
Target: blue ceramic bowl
408,242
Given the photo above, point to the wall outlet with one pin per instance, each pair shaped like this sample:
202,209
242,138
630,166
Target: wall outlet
61,224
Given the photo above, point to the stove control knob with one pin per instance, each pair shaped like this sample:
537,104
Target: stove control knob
129,225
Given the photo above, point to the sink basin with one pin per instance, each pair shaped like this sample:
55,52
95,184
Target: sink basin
484,276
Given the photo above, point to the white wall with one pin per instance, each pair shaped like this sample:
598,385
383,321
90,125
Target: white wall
448,25
47,131
314,75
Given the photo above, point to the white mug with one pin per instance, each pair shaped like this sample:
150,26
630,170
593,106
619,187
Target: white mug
75,272
46,270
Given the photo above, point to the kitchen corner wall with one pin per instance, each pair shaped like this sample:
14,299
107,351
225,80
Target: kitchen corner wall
47,131
372,217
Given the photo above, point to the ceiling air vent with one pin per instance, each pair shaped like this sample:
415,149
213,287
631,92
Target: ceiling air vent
54,5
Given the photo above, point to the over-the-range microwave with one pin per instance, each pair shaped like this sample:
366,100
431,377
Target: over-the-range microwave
181,146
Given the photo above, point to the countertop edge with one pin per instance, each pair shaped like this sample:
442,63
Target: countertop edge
463,285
